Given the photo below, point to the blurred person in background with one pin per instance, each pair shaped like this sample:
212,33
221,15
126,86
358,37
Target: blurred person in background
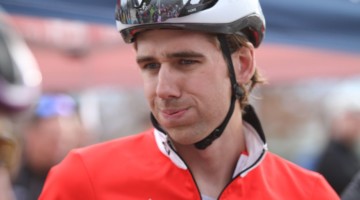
198,68
339,161
20,86
9,154
53,130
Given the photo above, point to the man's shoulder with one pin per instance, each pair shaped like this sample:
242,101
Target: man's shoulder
116,150
87,171
283,174
278,178
284,166
126,142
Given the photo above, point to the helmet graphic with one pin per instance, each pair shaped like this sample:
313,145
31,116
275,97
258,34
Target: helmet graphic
213,16
20,78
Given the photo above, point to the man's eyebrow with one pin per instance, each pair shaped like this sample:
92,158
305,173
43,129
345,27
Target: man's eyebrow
185,54
141,59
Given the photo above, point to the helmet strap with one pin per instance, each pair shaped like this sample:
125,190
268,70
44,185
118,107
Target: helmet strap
237,93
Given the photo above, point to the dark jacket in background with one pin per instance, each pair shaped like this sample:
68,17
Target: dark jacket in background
338,164
28,184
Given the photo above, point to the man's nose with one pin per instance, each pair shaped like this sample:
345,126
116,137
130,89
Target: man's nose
168,85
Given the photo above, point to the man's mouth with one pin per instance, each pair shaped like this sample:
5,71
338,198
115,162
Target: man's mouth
173,113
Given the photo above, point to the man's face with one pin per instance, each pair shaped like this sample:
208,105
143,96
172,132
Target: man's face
186,82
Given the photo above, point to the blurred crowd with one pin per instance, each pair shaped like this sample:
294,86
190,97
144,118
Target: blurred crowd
38,128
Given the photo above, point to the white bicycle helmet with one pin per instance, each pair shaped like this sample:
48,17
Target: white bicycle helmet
213,16
20,78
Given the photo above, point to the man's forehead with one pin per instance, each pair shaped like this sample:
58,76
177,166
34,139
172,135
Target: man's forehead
186,53
166,37
173,33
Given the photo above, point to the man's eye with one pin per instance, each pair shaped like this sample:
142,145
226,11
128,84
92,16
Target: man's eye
151,66
187,62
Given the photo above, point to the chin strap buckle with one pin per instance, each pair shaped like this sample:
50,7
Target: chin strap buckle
238,91
209,139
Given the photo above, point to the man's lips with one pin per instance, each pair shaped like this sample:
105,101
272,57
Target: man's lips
173,113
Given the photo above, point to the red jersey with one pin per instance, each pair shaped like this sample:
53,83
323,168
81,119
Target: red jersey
145,166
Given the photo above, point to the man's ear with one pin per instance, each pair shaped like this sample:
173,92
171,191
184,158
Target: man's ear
244,63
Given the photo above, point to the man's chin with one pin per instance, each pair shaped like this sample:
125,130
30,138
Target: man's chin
183,138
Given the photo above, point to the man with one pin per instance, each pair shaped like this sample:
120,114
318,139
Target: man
339,160
51,132
207,142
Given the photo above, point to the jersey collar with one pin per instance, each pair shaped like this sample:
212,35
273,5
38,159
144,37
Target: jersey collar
254,139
